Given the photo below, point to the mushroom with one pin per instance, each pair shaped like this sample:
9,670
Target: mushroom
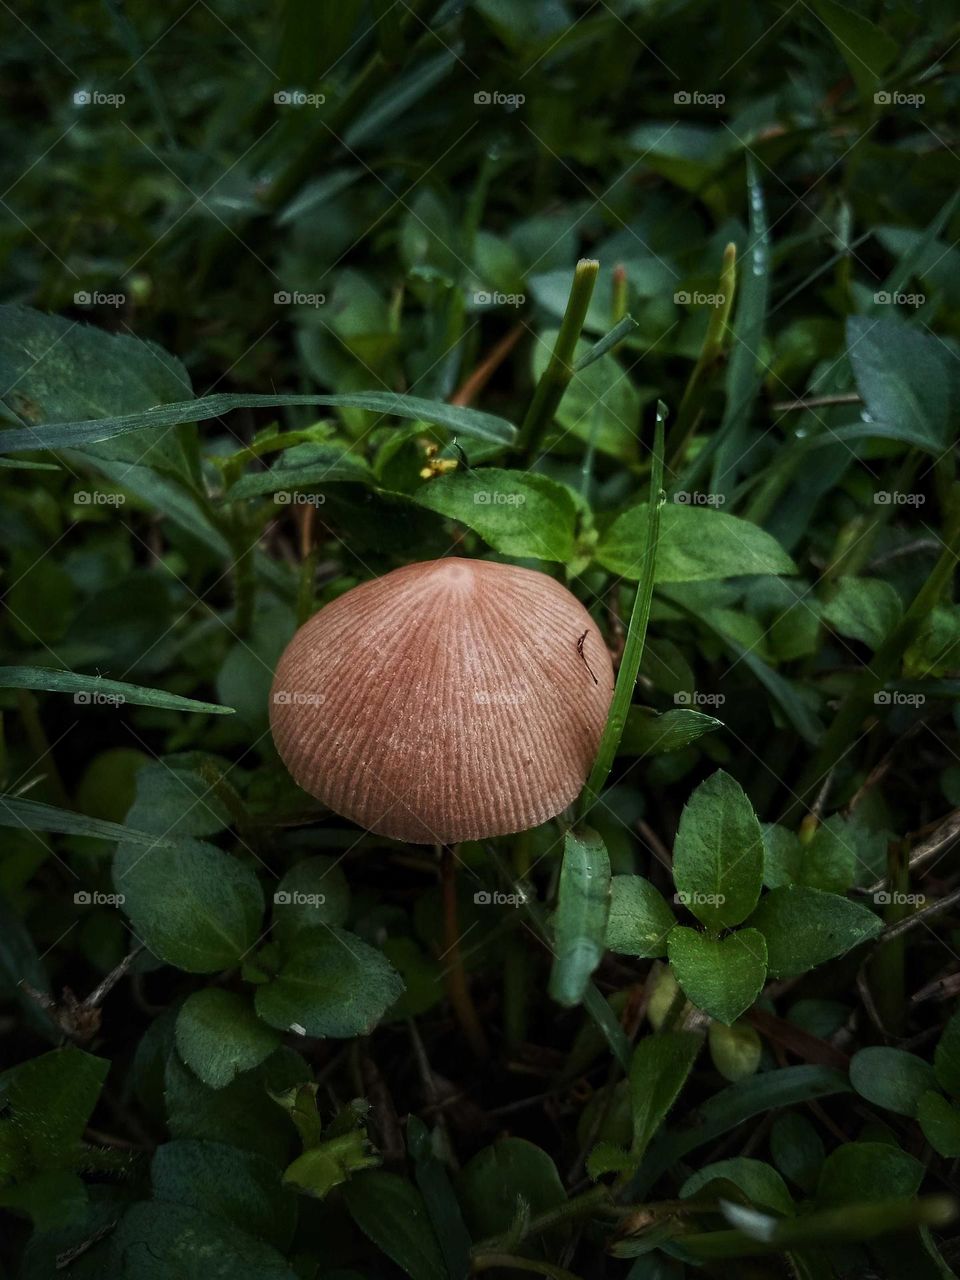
449,700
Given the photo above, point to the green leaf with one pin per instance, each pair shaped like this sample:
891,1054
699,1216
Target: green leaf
696,545
331,1163
658,1071
312,894
797,1149
804,927
94,689
940,1122
329,984
432,1178
31,815
865,609
305,466
946,1058
390,1211
866,49
219,1035
758,1183
891,1078
648,734
494,1183
184,1243
73,434
723,977
903,377
47,1103
194,906
518,513
580,922
639,919
622,329
736,1050
718,853
869,1171
239,1187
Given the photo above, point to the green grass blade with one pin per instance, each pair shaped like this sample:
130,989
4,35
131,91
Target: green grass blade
580,923
90,688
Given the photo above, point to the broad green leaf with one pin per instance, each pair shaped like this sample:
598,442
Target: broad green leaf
946,1058
237,1186
696,545
497,1178
903,376
194,906
648,734
940,1122
757,1181
797,1149
174,797
736,1050
93,690
867,49
330,983
718,853
891,1078
184,1243
804,927
390,1211
47,1102
75,434
305,466
331,1163
658,1071
518,513
219,1035
639,918
580,922
865,609
860,1171
312,894
600,405
721,976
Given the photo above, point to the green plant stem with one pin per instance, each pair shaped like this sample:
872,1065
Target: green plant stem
691,405
859,702
596,1200
245,583
556,377
636,633
458,990
511,1262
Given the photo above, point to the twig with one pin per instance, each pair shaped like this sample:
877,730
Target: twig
919,917
948,830
471,387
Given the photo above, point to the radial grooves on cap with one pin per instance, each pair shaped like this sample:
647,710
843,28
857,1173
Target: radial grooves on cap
444,701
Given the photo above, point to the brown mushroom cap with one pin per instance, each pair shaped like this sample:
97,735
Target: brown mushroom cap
446,701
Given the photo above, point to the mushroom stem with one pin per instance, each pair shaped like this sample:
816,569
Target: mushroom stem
458,991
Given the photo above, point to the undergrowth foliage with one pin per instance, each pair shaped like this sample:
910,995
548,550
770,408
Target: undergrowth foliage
660,300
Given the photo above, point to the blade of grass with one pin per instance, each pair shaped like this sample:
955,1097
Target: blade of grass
636,632
556,377
52,680
580,923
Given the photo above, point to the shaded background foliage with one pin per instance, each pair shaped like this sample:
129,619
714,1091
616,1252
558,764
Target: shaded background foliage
435,225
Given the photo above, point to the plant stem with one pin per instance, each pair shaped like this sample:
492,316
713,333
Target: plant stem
511,1262
458,990
636,633
597,1199
556,377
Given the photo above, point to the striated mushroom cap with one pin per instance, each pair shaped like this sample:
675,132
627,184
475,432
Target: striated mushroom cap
449,700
